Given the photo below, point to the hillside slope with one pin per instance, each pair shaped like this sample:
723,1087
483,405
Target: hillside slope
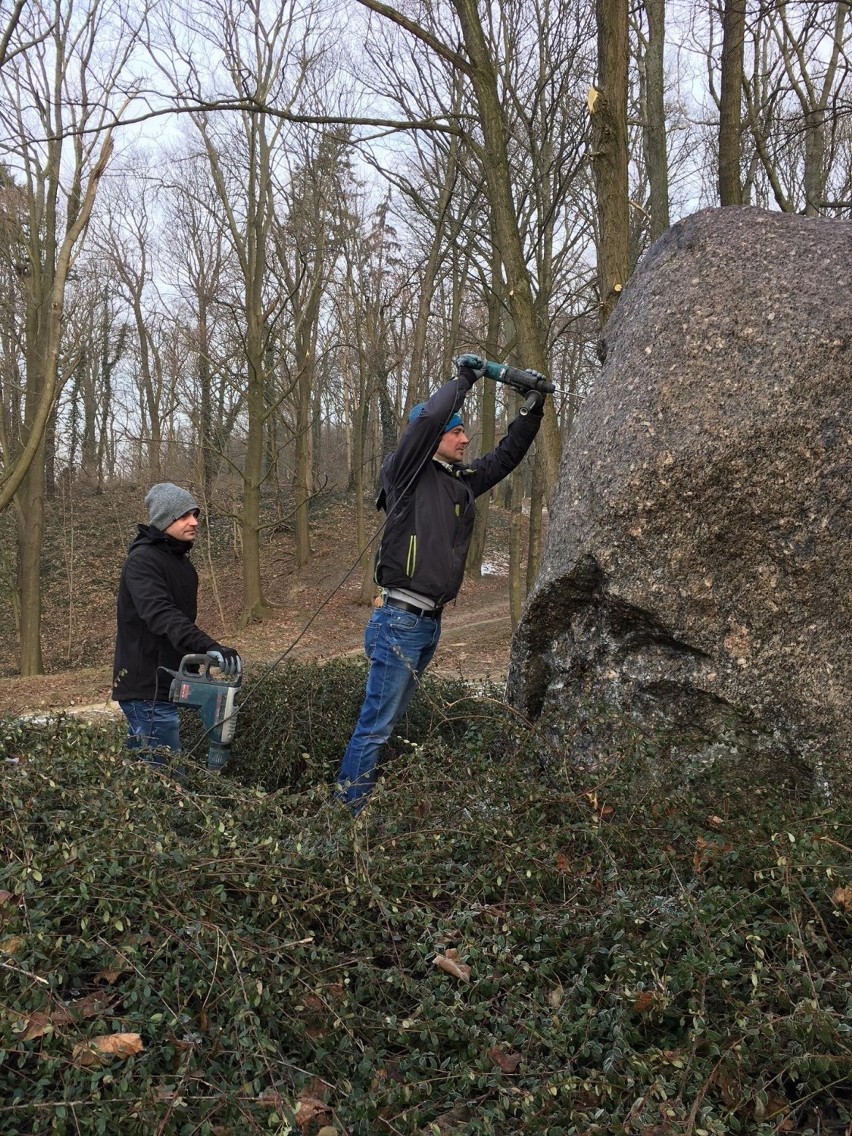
316,612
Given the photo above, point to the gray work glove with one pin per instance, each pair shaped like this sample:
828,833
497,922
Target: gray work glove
473,363
227,660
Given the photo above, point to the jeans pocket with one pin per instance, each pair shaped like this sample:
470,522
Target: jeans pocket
402,622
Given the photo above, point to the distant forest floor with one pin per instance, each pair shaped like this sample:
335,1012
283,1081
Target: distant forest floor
316,611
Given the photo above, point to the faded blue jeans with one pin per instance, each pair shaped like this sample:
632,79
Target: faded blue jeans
151,725
400,646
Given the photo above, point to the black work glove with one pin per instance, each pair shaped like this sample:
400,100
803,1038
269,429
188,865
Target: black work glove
536,375
533,399
472,363
227,660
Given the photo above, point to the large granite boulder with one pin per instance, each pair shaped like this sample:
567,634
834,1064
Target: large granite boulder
697,578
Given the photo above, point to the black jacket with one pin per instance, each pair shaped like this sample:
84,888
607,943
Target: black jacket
157,605
430,508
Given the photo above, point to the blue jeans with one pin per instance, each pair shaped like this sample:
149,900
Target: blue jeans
400,646
151,725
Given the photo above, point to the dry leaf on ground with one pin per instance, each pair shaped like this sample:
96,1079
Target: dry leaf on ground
99,1050
310,1110
506,1062
42,1021
450,963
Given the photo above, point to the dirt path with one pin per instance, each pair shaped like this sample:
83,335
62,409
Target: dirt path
474,643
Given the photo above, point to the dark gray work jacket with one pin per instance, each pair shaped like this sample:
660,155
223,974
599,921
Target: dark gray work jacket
430,506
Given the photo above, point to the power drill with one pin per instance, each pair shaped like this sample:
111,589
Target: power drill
215,700
529,383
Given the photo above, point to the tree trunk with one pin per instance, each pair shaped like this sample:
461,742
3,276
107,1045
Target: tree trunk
205,399
814,177
488,414
49,476
488,411
29,502
608,107
302,466
496,166
654,132
104,448
362,505
150,391
730,102
516,520
306,309
317,474
254,604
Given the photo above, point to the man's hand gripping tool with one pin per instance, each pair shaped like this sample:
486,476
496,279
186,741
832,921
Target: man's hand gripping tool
532,384
215,699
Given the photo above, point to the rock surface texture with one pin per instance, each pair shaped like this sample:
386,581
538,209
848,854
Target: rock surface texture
697,577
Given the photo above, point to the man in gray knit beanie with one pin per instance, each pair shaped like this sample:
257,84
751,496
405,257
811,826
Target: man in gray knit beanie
155,615
166,502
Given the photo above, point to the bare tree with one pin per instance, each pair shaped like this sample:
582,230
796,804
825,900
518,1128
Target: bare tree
477,62
306,242
13,271
12,43
126,232
60,101
99,333
202,268
260,52
780,137
813,41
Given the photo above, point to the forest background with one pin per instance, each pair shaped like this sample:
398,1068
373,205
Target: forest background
240,240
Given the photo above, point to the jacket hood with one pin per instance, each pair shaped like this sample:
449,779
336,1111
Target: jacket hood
150,534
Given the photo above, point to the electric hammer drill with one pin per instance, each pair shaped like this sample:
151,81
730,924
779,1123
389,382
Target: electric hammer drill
529,383
214,698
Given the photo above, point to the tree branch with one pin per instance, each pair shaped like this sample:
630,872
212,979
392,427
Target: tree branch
419,32
256,106
14,19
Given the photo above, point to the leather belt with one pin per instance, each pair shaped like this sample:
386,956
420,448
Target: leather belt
425,612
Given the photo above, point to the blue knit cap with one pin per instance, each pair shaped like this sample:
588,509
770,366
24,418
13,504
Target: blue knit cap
456,419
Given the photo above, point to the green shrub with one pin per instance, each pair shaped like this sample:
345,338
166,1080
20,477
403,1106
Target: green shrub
295,720
646,954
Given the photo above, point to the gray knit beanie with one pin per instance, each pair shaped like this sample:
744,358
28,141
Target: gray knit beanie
166,502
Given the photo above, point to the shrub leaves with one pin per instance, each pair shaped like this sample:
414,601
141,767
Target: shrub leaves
503,944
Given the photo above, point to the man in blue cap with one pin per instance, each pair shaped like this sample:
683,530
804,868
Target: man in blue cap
427,493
